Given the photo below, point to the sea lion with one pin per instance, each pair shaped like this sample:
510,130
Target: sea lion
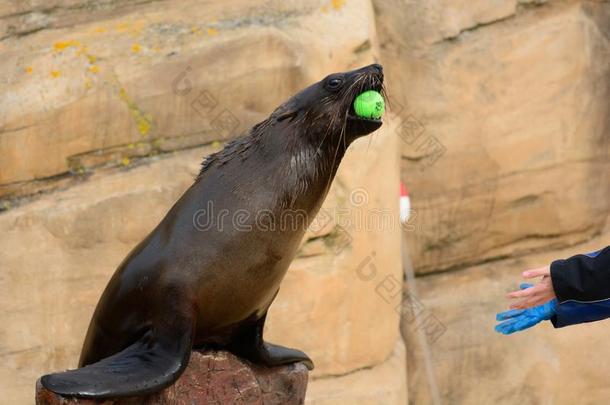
197,284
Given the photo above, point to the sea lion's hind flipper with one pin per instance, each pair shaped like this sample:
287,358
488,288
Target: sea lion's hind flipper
250,345
276,355
150,364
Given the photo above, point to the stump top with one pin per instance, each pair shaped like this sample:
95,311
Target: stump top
213,377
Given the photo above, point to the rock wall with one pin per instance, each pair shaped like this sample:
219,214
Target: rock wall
106,82
505,138
505,135
107,111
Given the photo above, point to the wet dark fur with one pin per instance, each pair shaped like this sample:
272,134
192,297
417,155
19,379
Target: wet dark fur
186,286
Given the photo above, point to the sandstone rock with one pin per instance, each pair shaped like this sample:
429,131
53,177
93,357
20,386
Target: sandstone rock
213,378
381,384
101,84
475,365
505,147
337,303
415,23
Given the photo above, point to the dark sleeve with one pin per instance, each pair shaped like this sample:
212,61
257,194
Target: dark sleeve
582,278
572,312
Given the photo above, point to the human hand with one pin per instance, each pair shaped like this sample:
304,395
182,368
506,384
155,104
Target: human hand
516,320
536,295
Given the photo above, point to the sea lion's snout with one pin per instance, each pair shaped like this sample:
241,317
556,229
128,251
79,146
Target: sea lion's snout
365,79
374,68
325,110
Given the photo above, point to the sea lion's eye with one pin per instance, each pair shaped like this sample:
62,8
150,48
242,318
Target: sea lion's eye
334,83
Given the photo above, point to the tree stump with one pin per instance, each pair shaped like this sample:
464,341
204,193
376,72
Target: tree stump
212,377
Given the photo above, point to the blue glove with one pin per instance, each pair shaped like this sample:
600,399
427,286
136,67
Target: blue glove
517,320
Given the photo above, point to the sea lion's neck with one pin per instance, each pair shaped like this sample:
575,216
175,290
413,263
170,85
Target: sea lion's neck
294,165
305,168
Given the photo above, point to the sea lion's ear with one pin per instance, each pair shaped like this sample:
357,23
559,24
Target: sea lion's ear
286,115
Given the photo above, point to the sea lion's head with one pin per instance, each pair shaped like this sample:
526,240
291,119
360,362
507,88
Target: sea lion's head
309,133
325,110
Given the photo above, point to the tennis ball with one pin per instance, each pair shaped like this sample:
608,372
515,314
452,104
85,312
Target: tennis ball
369,104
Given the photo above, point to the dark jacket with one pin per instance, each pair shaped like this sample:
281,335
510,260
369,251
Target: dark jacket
582,287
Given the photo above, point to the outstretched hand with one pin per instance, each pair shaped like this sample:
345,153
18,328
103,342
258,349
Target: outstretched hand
536,295
516,320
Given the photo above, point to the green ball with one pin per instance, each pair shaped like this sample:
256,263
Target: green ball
369,104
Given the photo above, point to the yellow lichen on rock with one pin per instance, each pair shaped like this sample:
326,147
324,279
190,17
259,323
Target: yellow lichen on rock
337,4
142,120
63,45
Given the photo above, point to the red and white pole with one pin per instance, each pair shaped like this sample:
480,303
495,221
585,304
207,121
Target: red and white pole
405,203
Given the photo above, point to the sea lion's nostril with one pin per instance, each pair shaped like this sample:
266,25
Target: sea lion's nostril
378,67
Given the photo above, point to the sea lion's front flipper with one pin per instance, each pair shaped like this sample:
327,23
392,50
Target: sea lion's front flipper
250,345
153,362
